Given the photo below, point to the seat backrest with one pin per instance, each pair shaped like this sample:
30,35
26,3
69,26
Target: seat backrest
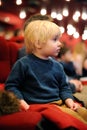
13,52
4,60
4,50
8,56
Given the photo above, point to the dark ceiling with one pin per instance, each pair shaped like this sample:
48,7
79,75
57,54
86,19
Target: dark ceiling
34,6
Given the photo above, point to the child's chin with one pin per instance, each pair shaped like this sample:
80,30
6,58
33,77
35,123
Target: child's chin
56,54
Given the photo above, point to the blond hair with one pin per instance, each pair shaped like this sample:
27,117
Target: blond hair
39,32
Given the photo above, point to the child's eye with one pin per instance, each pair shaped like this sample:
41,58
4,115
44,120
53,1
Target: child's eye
55,38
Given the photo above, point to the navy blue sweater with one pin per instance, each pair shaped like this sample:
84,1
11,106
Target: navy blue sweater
38,81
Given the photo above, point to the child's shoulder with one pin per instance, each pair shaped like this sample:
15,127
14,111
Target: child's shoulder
24,58
57,63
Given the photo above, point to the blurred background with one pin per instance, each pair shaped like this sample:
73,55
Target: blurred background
70,15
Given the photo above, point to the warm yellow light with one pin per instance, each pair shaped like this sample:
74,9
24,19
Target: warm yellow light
0,2
18,2
68,0
43,11
53,14
62,29
84,16
71,29
59,16
76,35
22,14
65,12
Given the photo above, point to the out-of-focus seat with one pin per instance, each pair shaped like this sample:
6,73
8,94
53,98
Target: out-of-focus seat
8,56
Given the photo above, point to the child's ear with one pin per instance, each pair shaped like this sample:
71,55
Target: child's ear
37,44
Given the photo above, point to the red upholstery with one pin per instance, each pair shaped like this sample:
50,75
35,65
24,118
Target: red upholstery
13,52
4,70
18,39
2,86
28,120
4,50
20,121
60,118
4,60
8,56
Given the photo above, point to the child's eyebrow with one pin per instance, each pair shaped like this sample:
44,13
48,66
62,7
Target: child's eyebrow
56,36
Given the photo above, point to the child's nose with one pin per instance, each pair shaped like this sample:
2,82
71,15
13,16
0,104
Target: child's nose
60,44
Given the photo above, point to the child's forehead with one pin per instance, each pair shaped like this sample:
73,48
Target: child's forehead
56,35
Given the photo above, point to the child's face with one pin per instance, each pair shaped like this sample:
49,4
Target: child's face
52,47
